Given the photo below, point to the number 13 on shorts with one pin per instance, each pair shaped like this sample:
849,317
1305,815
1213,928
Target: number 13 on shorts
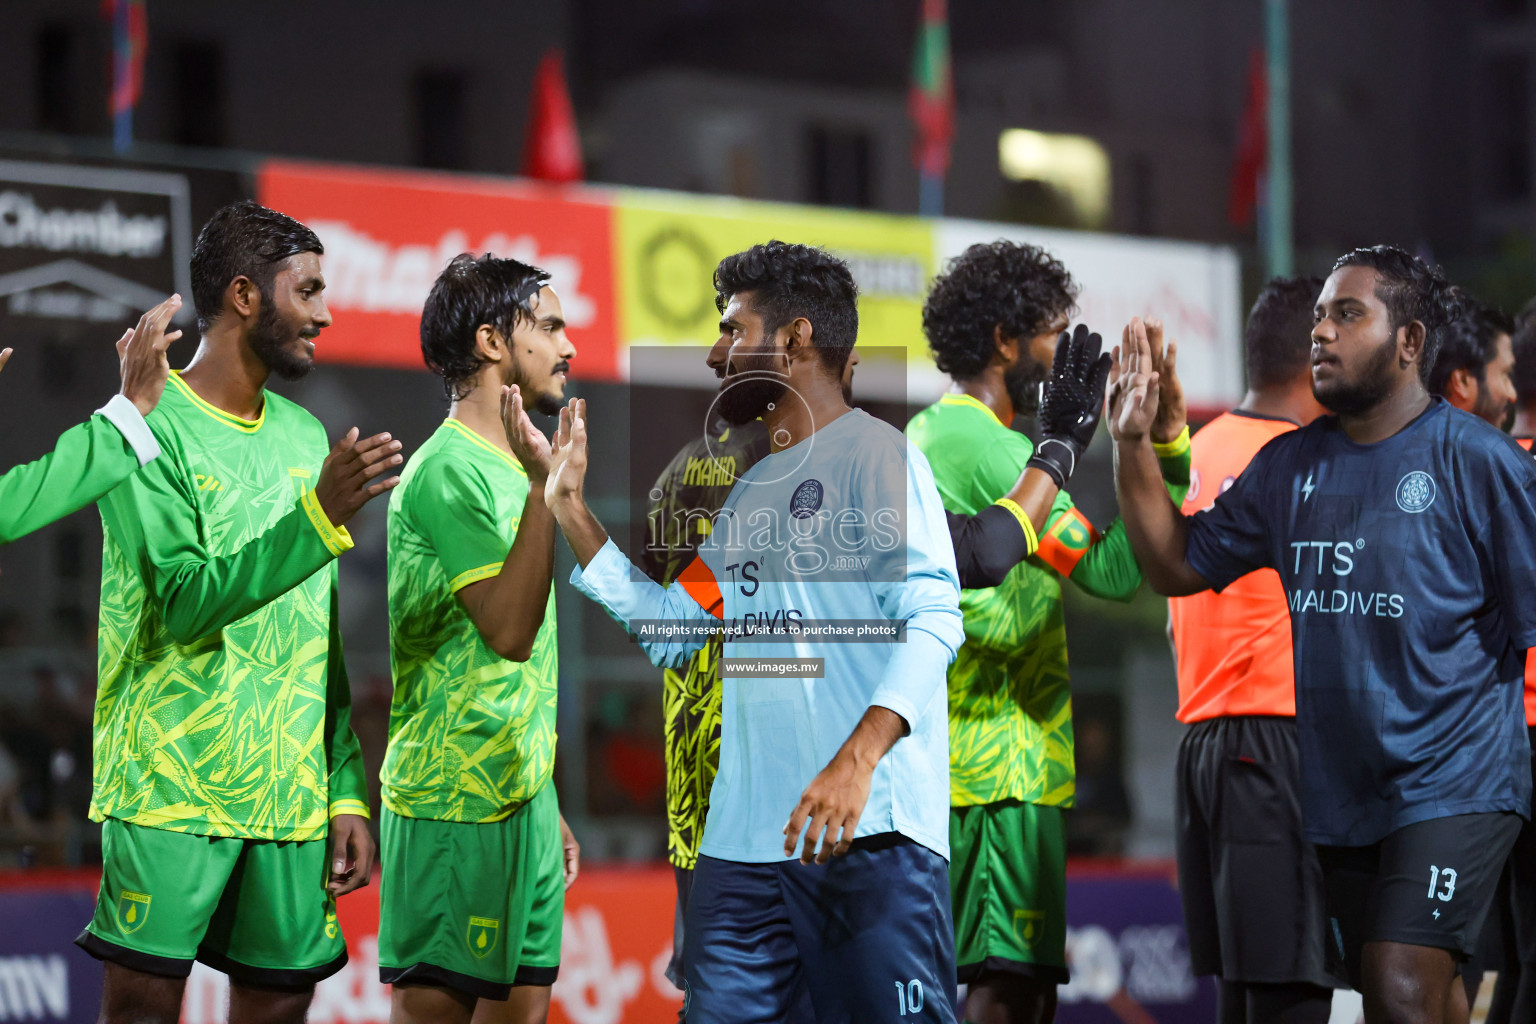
1445,880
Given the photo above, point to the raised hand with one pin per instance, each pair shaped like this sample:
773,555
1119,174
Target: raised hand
1133,385
568,462
1072,403
1172,415
528,442
346,476
141,356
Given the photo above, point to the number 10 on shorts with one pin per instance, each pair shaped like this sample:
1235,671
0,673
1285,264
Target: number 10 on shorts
909,997
1445,879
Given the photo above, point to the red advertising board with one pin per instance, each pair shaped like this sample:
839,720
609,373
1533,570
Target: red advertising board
614,950
387,235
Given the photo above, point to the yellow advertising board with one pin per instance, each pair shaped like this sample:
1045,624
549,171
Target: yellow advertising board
666,247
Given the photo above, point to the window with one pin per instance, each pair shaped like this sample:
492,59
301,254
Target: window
839,167
197,93
56,93
441,127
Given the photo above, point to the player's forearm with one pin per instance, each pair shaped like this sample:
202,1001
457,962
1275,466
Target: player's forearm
347,781
1034,494
199,598
583,532
88,461
874,736
1153,524
641,605
513,610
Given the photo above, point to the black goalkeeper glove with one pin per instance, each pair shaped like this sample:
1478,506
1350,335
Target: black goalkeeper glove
1071,404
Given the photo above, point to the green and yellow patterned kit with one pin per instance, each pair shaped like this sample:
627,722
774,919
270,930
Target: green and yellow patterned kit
223,707
1010,699
471,734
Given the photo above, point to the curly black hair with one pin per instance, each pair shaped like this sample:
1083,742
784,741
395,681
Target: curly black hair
789,281
1017,287
243,239
469,292
1411,290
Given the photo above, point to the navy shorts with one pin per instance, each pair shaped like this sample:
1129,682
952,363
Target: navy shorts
868,934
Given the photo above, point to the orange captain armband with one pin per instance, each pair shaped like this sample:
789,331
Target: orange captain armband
701,586
1066,541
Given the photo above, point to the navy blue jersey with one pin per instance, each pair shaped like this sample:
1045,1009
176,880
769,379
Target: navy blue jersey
1410,570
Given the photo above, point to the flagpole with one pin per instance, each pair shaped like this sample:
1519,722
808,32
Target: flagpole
1275,212
930,196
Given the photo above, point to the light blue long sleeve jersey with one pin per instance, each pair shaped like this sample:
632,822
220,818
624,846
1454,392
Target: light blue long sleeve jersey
846,525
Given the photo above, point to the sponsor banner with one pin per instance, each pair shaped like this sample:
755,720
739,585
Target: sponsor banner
1129,954
667,246
44,976
1194,289
91,244
388,234
1126,947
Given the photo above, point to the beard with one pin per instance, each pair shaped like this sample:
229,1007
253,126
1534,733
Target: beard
269,339
545,402
1500,414
746,395
1372,384
1022,381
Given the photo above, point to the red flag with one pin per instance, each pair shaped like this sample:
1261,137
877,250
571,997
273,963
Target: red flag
1252,155
931,96
551,148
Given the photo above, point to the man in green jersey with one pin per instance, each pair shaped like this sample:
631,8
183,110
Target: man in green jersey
476,855
106,449
992,322
226,772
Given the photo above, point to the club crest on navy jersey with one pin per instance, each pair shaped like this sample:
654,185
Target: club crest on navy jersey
1416,491
806,500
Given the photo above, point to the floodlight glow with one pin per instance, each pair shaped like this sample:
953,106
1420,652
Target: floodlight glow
1074,164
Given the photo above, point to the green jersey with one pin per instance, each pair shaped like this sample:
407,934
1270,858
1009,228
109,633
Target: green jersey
88,461
222,706
471,734
1010,702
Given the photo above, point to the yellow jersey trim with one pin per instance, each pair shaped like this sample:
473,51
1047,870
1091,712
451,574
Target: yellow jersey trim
1173,449
349,806
336,538
469,576
229,420
1032,541
950,398
482,442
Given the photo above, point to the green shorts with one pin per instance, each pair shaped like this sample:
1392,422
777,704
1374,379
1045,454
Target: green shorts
473,907
258,910
1008,885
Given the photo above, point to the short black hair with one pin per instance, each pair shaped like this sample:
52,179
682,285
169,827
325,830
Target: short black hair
789,281
1277,340
1018,287
1411,290
473,290
243,239
1469,342
1524,344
